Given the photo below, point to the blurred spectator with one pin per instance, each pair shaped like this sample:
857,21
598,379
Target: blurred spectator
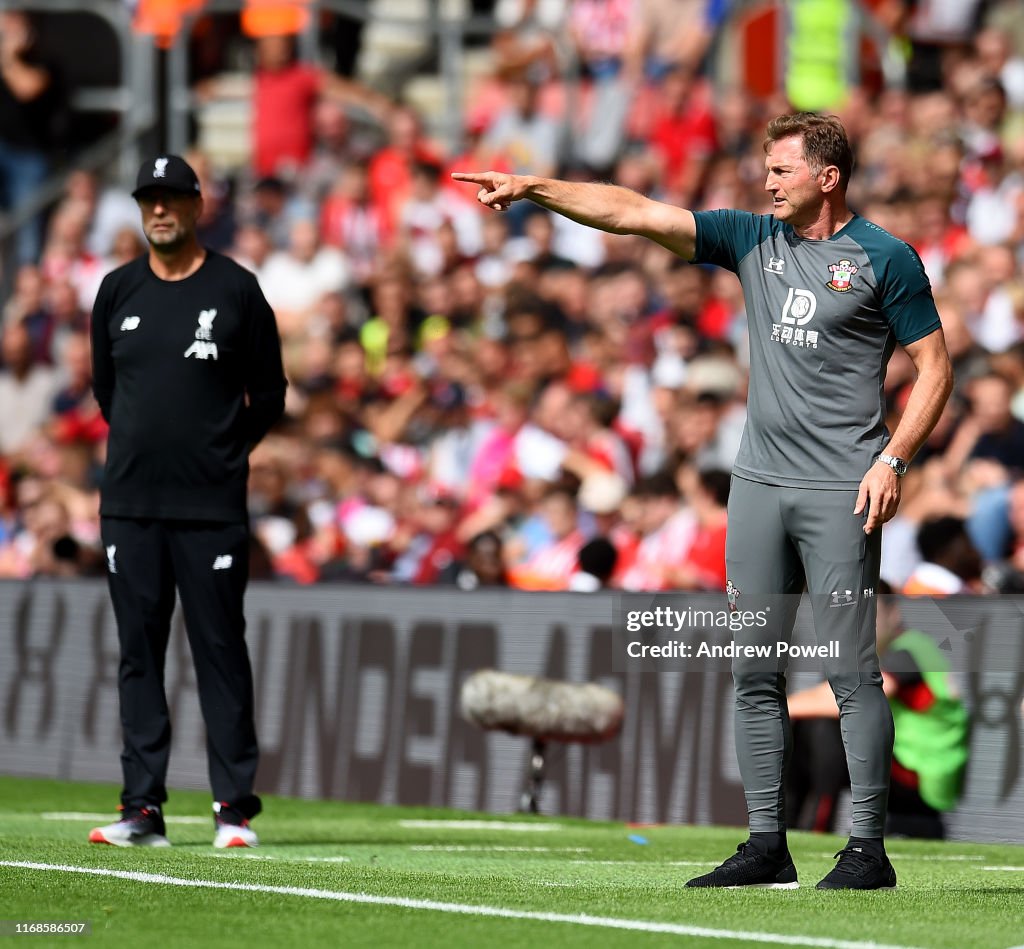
76,414
554,559
350,220
704,565
527,35
595,566
391,167
435,546
601,32
998,59
683,134
109,210
937,28
65,256
428,209
484,565
285,93
31,106
667,532
216,224
527,136
294,280
950,564
26,390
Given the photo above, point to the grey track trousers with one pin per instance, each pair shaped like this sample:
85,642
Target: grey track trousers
778,539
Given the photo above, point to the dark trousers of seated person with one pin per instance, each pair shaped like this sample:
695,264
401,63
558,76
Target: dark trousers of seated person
817,775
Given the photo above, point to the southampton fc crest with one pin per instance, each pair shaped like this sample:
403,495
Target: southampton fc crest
842,274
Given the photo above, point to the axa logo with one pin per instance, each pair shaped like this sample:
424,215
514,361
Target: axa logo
160,168
203,347
130,323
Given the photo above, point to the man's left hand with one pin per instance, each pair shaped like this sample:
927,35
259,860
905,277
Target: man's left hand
880,491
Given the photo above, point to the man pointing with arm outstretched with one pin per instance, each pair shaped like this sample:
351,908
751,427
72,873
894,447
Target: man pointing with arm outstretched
828,297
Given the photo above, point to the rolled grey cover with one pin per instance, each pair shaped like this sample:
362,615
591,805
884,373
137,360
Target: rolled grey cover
541,708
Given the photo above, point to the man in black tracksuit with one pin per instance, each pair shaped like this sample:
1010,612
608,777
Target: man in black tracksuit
187,371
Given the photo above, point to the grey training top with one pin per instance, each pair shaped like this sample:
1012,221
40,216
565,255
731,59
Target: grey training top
823,318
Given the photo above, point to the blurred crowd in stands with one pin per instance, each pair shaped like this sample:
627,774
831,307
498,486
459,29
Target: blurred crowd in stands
485,399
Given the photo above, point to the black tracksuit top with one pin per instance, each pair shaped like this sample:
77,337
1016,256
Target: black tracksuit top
188,374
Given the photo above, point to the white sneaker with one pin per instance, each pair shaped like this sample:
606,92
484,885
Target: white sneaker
235,835
233,829
141,827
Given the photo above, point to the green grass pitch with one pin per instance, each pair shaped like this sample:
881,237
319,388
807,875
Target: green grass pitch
329,873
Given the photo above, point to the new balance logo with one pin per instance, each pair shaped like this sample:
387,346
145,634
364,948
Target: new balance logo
130,323
111,564
776,265
842,598
203,347
223,562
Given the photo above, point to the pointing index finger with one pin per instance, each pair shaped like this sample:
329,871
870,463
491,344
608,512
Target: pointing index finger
477,177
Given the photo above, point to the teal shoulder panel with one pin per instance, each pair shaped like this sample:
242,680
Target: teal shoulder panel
726,237
904,291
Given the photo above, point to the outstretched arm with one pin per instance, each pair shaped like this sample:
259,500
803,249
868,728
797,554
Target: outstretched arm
606,207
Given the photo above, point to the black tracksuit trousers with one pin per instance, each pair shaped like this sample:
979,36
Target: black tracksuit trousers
208,562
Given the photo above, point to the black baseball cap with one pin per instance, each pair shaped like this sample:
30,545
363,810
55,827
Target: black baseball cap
166,171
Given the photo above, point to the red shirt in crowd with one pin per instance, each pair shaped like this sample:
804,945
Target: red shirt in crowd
681,137
283,120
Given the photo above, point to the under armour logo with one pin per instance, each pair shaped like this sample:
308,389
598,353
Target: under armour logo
775,265
203,348
842,598
160,168
111,565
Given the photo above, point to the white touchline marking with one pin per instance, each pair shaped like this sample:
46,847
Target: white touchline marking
933,857
83,815
649,863
463,909
478,825
280,858
929,858
1005,869
466,849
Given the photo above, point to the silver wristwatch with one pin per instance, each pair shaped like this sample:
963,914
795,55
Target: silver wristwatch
897,464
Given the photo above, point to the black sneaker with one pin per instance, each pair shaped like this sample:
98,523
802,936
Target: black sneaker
860,869
749,867
138,827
